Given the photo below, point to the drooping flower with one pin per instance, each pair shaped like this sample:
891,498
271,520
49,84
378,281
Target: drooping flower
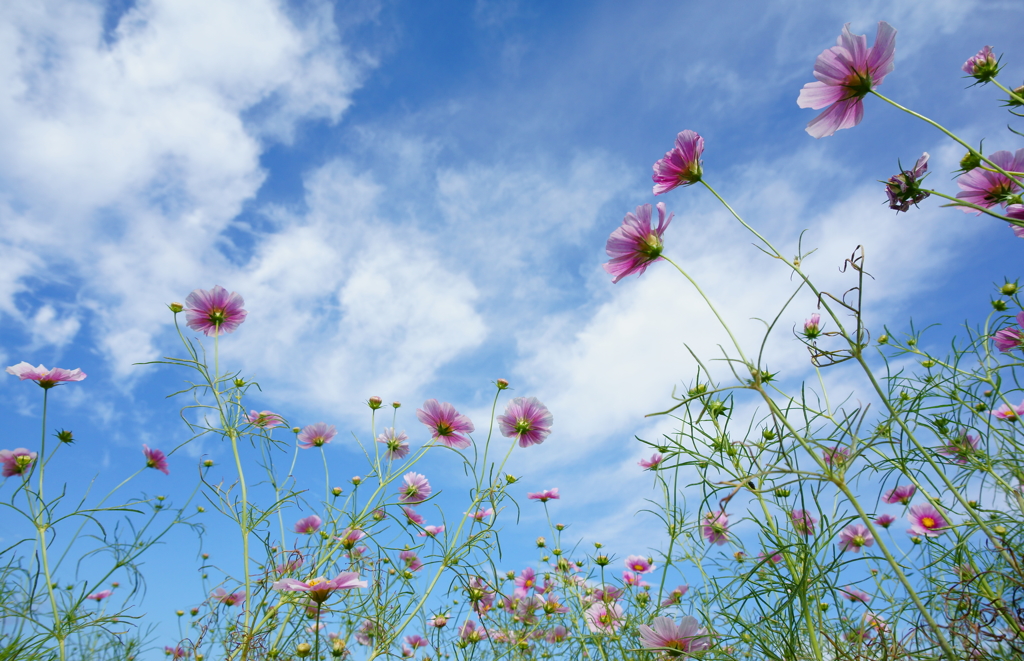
350,538
99,596
17,461
926,520
308,525
412,516
156,459
812,326
430,531
984,66
639,564
716,527
412,562
652,463
885,520
316,435
846,73
319,588
215,311
1009,339
675,639
480,515
803,522
264,419
526,420
681,165
904,189
961,447
447,425
634,245
853,594
901,494
544,496
675,597
855,537
415,641
396,445
986,188
1009,412
226,598
46,378
416,489
603,617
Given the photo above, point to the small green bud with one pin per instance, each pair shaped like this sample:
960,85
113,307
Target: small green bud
501,383
208,463
782,492
768,434
716,408
336,491
179,613
1008,289
296,430
999,305
912,342
823,606
980,406
557,552
541,542
193,612
916,540
602,561
206,556
200,509
973,504
356,480
999,530
64,436
971,160
511,479
559,527
302,650
375,402
927,364
239,383
396,405
698,389
176,307
883,339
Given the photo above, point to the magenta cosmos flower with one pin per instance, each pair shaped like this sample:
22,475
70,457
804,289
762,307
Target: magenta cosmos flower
985,188
447,425
156,459
316,435
682,165
960,448
926,520
853,594
885,520
412,516
544,496
1009,339
319,588
46,378
716,527
812,326
1016,211
1009,412
527,420
675,597
430,531
264,419
227,598
855,537
803,522
100,596
603,617
984,66
17,461
675,639
639,564
308,525
901,494
350,538
634,245
652,463
846,73
215,311
416,489
836,457
395,443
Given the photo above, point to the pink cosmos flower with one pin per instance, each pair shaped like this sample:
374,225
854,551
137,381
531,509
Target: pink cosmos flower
100,596
926,520
837,456
308,525
675,597
675,640
481,596
527,420
430,531
294,562
681,165
396,445
633,578
527,580
350,538
413,517
480,515
470,633
447,425
1009,339
885,520
1016,211
156,459
812,326
215,311
264,419
316,435
416,489
46,378
603,617
319,588
416,641
652,463
982,66
439,621
961,448
901,494
551,605
366,632
904,189
853,594
17,461
846,73
544,496
986,188
855,537
634,245
228,599
176,652
803,522
412,562
716,527
557,634
639,564
774,558
1010,413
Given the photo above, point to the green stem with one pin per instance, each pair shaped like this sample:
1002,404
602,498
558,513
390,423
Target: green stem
41,528
1013,95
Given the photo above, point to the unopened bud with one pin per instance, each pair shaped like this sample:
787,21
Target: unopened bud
396,404
999,305
179,613
1009,289
336,491
64,436
374,402
501,383
193,612
296,430
357,480
999,530
511,479
602,561
971,160
338,647
782,492
208,463
541,542
302,650
239,383
559,527
767,434
176,307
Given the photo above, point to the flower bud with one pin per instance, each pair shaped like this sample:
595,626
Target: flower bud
193,612
357,480
396,404
176,307
338,648
200,509
375,402
883,339
999,530
179,613
379,515
239,383
206,556
64,436
768,434
541,542
559,527
296,430
999,305
602,561
782,492
823,606
927,364
916,540
511,479
1019,92
115,585
1009,289
556,552
698,389
501,383
302,650
208,463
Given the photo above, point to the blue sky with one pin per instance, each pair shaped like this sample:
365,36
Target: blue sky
413,199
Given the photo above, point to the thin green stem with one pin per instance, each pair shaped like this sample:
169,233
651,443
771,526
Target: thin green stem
41,528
